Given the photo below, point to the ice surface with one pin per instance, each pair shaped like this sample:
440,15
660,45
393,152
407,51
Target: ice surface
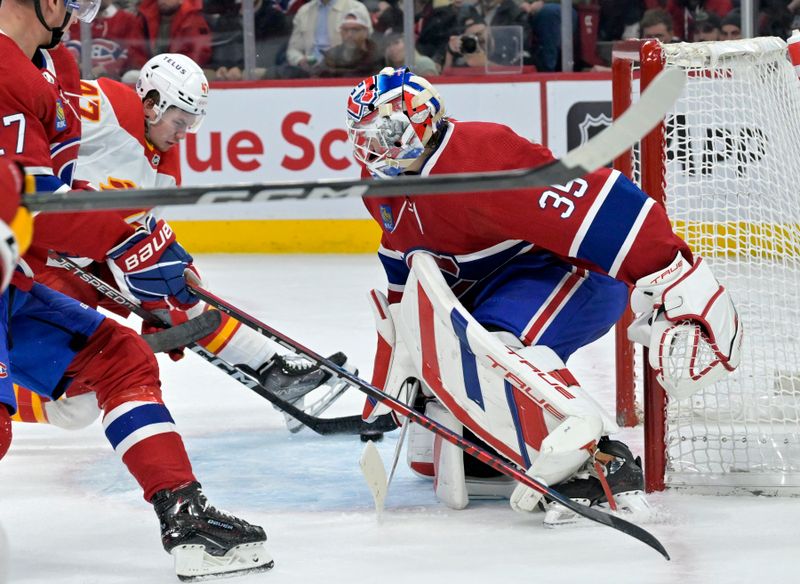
73,515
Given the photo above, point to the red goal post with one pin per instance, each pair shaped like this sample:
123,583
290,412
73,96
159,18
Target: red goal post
638,61
726,166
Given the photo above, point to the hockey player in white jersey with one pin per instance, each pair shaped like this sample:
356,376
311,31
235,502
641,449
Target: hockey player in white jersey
130,139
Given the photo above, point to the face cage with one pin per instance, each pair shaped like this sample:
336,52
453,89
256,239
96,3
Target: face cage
83,10
385,145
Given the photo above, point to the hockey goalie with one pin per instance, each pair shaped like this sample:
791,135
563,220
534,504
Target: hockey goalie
490,294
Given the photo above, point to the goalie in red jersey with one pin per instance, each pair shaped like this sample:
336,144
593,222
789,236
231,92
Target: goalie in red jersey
58,342
491,293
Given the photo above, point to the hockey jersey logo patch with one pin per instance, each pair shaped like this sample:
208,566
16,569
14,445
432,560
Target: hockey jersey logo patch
61,117
387,218
3,371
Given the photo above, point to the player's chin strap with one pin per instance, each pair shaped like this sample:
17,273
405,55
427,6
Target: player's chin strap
56,31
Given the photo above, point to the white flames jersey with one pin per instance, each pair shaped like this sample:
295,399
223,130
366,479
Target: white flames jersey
114,152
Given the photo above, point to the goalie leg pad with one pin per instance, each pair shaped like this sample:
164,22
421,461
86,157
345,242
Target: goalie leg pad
393,365
565,450
449,483
505,397
419,451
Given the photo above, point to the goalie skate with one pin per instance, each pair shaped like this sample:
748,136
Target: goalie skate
623,476
206,542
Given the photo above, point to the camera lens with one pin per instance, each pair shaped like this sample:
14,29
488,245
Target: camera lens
469,44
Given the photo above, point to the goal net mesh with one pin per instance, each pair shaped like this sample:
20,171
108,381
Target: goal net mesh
731,172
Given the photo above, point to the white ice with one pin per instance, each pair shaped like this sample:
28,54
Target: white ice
73,515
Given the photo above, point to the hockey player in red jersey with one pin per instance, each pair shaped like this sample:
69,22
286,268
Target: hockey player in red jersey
16,227
130,139
59,342
490,293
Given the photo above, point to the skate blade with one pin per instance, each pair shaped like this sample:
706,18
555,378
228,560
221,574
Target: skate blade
193,564
556,515
631,506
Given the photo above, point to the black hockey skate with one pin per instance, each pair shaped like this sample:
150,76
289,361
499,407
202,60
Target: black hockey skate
206,542
623,476
292,377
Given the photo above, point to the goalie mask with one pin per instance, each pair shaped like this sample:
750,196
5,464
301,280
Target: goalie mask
391,118
179,81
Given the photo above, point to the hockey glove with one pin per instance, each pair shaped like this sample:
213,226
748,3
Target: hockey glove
173,317
150,265
690,324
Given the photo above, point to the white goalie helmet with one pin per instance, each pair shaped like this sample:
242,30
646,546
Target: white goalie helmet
179,81
391,118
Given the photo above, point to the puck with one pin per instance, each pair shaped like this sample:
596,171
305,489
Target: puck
371,436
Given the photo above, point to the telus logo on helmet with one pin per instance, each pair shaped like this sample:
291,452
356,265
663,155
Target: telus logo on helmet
176,65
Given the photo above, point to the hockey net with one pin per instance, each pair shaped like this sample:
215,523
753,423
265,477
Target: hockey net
726,163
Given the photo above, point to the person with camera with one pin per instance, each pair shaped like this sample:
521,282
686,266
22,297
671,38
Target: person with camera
469,48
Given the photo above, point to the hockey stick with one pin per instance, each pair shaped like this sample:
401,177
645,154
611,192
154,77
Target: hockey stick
620,136
317,407
399,407
324,426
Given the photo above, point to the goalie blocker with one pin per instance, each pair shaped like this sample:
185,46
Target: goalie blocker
520,401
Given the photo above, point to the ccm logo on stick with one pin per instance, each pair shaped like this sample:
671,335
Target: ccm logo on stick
156,242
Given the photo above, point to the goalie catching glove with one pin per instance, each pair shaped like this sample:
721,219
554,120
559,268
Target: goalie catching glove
150,265
688,321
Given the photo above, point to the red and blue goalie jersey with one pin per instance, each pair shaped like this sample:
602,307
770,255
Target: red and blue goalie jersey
601,222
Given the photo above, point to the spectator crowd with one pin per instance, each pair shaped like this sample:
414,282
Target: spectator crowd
354,38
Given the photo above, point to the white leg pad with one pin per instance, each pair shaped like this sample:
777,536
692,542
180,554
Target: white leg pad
392,358
511,399
419,451
448,461
562,453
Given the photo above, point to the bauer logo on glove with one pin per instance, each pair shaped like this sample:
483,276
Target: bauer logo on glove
149,247
149,265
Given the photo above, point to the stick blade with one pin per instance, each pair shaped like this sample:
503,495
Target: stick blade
632,126
374,473
609,520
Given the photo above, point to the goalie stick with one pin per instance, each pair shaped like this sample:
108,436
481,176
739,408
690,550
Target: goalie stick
372,466
324,426
399,407
620,136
